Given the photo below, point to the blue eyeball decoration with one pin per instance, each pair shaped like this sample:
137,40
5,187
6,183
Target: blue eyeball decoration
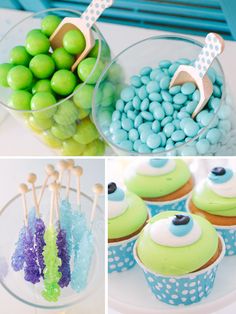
117,203
181,225
158,163
175,231
220,175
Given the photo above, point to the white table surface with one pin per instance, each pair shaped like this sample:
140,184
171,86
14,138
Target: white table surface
17,141
13,172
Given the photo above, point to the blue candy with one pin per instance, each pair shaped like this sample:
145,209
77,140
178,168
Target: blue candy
153,140
127,93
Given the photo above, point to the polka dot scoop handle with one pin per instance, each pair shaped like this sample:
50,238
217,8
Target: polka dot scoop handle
95,10
214,46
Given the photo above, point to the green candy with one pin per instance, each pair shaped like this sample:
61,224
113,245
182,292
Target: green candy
20,56
67,113
50,140
43,100
74,41
49,24
63,59
63,132
87,66
63,82
51,290
105,51
95,148
40,124
4,70
83,98
20,100
72,148
37,43
42,86
42,66
19,77
86,132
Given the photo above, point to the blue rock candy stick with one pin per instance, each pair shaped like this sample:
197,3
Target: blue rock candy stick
31,269
64,269
66,219
39,242
83,260
18,259
32,219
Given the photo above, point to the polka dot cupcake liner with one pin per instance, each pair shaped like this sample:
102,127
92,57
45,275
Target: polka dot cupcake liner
158,207
182,290
229,236
120,255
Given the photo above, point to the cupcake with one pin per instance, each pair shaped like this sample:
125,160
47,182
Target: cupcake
215,199
127,215
164,184
179,254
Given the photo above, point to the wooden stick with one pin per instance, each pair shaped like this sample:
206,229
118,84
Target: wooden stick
98,190
62,166
70,163
78,171
23,189
57,188
49,170
52,188
32,179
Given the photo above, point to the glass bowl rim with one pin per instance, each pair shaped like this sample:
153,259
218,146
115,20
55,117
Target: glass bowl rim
49,307
167,37
82,84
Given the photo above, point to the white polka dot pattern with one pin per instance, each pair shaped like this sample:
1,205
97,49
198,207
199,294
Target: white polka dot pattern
120,257
213,47
229,236
157,208
177,291
94,10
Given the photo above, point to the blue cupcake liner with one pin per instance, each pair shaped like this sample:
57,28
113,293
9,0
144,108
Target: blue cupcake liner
229,236
182,290
120,255
158,207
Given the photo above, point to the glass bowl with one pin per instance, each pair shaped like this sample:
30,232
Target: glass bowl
35,120
149,52
11,221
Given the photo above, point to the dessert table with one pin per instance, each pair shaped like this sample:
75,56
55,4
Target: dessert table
12,132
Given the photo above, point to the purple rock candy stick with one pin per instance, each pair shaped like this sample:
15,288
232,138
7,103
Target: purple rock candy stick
63,254
18,259
40,243
32,272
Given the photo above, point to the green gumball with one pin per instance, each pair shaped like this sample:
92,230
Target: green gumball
20,56
67,113
20,100
4,70
86,132
72,148
19,77
63,82
63,132
42,66
37,43
42,86
49,139
43,102
83,96
74,41
49,24
105,51
63,59
90,70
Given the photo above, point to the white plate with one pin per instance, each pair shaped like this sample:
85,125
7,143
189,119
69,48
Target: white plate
130,294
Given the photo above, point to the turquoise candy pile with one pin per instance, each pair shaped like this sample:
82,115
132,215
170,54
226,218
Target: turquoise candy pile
39,78
150,117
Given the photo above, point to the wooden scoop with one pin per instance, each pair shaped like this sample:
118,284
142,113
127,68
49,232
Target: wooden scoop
84,24
214,45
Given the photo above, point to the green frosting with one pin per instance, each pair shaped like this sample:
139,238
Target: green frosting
157,186
205,199
129,221
176,261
